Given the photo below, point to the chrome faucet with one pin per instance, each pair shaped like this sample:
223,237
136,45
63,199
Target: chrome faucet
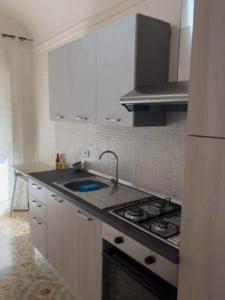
114,181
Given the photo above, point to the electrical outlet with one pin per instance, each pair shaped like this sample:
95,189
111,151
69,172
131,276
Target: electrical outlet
85,153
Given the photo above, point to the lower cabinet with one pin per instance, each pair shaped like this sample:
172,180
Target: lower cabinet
74,244
90,257
37,216
38,233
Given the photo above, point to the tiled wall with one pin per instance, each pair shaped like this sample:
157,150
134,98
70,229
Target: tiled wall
151,157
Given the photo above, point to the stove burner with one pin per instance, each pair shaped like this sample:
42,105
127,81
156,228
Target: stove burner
136,211
164,228
162,225
135,214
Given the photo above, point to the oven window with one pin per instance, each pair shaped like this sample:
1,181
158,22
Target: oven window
126,279
120,286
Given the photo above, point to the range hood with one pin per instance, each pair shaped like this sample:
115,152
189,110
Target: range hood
171,96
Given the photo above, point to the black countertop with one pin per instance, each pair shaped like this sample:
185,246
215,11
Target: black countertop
48,178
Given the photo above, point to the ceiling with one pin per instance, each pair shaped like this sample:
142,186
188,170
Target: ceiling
46,18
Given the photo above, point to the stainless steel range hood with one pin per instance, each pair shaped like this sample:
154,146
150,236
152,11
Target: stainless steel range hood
171,96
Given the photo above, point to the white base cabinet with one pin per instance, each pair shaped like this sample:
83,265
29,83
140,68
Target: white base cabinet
70,239
74,244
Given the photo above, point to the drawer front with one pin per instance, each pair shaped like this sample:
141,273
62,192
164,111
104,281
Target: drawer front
37,207
37,190
38,233
52,195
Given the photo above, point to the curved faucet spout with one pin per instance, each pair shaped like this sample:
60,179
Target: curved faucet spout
117,160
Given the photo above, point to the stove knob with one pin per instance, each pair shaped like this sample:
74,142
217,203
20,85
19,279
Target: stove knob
150,260
119,240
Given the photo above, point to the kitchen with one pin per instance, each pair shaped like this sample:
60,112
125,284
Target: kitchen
109,224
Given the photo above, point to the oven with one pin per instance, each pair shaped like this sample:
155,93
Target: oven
133,272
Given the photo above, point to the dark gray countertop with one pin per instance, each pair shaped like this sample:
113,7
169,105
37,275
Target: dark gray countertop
48,178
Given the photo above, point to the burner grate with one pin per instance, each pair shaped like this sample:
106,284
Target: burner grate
157,216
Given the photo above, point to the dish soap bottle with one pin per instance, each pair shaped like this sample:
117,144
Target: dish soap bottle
57,160
61,162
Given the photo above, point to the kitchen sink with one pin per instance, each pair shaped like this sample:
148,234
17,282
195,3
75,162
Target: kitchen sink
106,195
76,185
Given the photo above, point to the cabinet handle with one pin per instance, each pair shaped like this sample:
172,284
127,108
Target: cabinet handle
55,198
36,221
37,187
112,119
79,213
81,118
37,204
58,117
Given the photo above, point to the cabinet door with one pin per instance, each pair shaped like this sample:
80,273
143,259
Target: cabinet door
38,233
74,245
90,257
59,83
201,274
54,232
83,79
207,89
115,71
62,234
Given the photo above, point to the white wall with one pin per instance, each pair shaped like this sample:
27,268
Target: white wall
186,40
45,129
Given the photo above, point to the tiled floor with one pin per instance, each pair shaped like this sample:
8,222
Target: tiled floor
24,273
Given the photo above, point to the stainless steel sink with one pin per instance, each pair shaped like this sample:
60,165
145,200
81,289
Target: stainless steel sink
106,196
74,185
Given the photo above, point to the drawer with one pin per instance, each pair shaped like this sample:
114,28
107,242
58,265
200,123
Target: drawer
50,194
37,190
38,233
37,207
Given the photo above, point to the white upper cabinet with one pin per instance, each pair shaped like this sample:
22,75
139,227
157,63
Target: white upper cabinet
131,52
59,83
115,71
83,79
88,77
72,80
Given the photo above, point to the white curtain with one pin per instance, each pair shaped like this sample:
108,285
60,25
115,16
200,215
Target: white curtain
5,106
15,108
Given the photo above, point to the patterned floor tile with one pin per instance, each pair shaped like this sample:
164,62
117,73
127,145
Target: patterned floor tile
24,272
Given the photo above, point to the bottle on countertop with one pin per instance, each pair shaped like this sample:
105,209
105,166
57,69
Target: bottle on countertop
57,160
61,162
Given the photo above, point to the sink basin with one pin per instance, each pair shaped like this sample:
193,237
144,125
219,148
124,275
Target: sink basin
103,197
86,185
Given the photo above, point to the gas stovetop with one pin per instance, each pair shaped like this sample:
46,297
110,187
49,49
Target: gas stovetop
156,216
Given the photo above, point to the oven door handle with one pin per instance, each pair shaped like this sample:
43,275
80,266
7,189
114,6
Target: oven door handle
137,272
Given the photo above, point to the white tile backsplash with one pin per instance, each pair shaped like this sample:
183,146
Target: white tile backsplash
150,157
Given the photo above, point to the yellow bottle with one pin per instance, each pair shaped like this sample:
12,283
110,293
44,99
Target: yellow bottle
61,162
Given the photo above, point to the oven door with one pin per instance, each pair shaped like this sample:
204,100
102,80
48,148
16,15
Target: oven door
126,279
